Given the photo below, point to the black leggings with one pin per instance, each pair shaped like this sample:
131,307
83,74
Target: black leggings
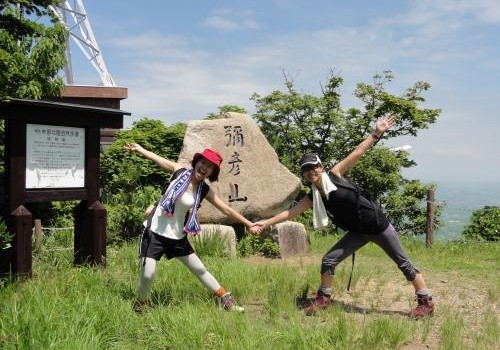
387,240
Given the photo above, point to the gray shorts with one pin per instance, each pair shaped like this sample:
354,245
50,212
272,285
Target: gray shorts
387,240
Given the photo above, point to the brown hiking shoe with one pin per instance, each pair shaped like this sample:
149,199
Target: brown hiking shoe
322,301
229,304
140,305
425,307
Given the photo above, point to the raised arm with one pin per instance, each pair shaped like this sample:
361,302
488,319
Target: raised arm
348,162
164,163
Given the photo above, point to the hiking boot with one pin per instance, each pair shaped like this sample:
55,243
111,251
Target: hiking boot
140,305
425,307
322,301
229,304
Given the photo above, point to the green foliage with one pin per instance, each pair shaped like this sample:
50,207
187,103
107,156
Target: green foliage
5,236
131,182
15,22
225,109
485,225
407,207
295,123
210,245
61,214
31,54
67,307
251,244
378,172
123,170
126,211
410,118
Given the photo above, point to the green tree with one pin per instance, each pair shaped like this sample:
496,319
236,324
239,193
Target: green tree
407,207
485,225
5,236
131,182
120,169
295,123
224,109
31,53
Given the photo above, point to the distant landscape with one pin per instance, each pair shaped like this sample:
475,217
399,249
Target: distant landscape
461,200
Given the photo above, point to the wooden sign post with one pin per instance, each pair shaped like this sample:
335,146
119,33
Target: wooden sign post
52,153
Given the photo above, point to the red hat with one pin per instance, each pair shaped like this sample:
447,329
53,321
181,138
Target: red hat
210,155
213,157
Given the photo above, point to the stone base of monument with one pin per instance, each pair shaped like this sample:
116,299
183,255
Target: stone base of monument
225,232
290,236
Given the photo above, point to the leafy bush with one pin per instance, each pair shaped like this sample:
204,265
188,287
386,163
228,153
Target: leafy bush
210,245
5,236
126,211
121,169
62,213
406,208
258,245
485,225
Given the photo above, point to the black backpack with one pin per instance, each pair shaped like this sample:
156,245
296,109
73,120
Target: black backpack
363,203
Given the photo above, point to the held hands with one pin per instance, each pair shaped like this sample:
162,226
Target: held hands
257,227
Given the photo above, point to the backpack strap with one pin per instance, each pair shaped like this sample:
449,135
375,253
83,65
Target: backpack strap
352,270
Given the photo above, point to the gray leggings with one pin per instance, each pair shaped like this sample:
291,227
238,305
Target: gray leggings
387,240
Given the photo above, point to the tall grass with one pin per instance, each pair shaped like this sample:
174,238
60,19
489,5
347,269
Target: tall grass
66,307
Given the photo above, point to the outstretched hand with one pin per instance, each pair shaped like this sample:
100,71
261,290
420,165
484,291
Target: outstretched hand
385,123
133,147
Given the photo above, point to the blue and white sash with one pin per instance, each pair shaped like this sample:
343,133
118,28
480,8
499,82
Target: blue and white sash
175,191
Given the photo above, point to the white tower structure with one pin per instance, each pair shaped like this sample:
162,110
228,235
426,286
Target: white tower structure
76,20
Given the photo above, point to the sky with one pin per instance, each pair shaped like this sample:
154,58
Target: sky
181,60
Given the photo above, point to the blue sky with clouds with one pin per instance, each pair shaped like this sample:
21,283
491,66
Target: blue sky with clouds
180,60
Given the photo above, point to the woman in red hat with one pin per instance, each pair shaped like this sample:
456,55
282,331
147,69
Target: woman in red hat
175,217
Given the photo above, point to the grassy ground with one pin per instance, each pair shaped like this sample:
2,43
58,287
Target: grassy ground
63,307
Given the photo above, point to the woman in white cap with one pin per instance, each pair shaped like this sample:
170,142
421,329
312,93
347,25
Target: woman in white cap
175,217
332,195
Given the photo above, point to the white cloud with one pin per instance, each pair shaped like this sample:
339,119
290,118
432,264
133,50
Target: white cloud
230,20
483,10
219,22
169,78
425,11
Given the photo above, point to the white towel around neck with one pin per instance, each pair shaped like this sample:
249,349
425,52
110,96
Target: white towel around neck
320,217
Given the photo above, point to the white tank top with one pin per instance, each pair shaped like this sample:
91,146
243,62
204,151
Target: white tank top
172,226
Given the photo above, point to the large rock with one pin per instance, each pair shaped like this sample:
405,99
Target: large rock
252,180
290,236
